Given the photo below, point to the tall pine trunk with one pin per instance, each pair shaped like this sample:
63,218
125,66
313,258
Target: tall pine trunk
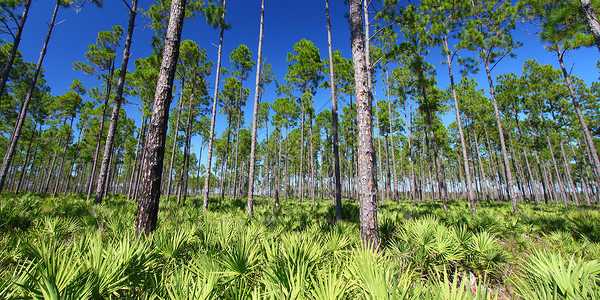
250,204
366,153
334,124
213,114
157,130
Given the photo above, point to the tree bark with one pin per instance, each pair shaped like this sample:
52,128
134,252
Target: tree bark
157,130
592,19
366,151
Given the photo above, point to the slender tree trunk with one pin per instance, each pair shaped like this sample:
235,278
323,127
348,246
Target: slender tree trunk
390,117
51,171
26,163
334,124
379,159
174,148
14,139
213,114
568,173
13,51
509,177
312,161
62,163
237,151
157,131
224,162
366,152
250,204
301,173
135,164
198,173
465,158
584,185
114,118
514,163
589,141
286,178
92,174
278,169
439,172
183,178
525,151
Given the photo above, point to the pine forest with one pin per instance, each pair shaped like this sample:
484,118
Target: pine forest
374,149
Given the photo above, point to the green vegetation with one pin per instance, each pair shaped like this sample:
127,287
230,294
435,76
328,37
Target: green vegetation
67,248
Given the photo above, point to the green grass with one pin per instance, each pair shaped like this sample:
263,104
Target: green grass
65,248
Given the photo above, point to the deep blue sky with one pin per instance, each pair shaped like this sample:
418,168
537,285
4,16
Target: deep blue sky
286,22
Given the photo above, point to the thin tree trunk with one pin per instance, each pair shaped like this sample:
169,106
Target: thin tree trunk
114,118
138,151
390,117
568,173
92,174
174,148
45,189
183,178
334,124
26,162
312,161
157,131
465,158
213,114
237,151
62,163
508,172
379,159
14,139
250,204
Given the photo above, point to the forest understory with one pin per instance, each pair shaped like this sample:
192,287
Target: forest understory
67,248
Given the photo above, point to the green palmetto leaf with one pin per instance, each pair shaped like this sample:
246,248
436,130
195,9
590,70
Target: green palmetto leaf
550,275
58,272
186,284
376,278
330,286
172,245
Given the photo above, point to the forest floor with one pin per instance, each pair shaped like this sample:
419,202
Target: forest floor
66,248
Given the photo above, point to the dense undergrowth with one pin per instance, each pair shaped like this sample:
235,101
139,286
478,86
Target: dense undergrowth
65,248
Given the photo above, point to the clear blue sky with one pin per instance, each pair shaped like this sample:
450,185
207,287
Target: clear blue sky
286,22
